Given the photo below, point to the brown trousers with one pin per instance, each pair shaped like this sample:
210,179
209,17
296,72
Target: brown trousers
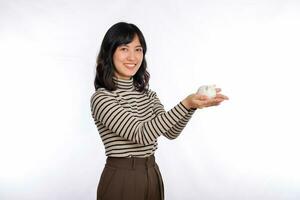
130,179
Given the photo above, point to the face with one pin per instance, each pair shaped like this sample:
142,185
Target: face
128,59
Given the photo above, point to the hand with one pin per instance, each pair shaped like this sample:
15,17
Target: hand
201,101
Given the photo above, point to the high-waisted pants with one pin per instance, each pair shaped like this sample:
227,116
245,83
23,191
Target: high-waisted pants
130,179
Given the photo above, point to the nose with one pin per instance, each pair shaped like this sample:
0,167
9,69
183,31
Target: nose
131,55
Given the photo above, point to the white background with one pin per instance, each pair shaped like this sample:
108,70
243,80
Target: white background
246,148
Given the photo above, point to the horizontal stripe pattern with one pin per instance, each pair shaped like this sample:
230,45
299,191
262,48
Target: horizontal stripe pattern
129,122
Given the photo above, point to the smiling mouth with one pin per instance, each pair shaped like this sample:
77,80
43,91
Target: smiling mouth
130,66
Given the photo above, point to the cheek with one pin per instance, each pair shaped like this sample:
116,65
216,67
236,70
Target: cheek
141,57
117,63
114,58
118,57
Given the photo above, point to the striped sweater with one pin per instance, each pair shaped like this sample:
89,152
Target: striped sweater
129,122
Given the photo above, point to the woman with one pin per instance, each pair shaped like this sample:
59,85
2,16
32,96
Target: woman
130,117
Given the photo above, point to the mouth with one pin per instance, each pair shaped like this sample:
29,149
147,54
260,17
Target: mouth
130,65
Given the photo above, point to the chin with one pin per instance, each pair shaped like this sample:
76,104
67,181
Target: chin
131,74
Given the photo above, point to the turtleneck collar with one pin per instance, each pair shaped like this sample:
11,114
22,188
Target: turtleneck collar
123,84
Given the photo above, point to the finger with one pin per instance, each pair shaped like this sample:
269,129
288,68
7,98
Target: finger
221,96
219,100
210,103
201,97
216,104
225,97
204,98
216,99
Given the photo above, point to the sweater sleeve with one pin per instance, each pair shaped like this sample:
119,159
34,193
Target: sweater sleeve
106,109
175,130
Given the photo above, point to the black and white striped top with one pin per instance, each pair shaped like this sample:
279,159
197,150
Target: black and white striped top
129,122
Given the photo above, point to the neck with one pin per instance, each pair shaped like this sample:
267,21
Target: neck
126,84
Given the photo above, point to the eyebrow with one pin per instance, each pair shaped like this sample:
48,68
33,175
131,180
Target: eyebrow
127,45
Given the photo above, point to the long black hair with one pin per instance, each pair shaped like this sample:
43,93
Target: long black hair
119,34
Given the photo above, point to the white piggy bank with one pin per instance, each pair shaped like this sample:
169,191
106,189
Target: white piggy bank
208,90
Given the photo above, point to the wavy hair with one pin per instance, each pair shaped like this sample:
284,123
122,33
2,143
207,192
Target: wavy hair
119,34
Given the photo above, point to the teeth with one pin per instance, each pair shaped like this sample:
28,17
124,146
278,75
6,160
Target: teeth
130,65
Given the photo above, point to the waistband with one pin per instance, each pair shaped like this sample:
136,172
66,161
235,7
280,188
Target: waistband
131,163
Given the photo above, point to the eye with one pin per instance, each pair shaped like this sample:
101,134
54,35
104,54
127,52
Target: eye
139,49
123,49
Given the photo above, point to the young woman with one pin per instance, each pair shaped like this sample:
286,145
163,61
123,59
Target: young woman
130,117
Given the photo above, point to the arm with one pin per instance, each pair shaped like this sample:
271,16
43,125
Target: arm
175,130
106,109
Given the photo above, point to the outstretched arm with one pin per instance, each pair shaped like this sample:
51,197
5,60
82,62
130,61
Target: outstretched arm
106,109
175,130
190,103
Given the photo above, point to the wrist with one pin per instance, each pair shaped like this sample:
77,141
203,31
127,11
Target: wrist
186,105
